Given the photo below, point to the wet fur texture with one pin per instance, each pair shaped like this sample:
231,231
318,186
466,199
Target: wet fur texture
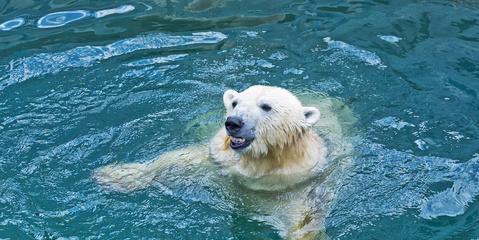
285,141
284,152
300,153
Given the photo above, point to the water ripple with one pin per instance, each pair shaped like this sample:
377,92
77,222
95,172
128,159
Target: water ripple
454,200
50,63
58,19
150,61
11,24
398,181
117,10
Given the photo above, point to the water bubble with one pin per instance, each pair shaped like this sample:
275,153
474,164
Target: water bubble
11,24
58,19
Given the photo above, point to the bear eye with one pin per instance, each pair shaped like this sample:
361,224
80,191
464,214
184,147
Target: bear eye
234,104
265,107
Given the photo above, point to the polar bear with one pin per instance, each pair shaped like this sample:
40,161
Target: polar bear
268,143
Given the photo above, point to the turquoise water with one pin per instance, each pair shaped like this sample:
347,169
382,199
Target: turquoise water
89,83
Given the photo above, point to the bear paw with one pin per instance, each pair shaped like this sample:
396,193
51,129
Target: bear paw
124,177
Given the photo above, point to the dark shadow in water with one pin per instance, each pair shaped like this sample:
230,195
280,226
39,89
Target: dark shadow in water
174,24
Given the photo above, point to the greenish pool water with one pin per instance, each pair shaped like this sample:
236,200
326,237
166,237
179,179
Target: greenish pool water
84,84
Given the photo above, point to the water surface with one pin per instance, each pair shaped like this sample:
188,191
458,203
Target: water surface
85,84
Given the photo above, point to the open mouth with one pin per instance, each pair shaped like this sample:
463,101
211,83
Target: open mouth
239,142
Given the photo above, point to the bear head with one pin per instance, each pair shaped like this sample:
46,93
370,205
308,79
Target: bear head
264,118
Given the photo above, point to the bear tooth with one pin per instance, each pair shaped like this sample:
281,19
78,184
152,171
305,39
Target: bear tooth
237,140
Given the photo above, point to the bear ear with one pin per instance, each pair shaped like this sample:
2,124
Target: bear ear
311,114
228,97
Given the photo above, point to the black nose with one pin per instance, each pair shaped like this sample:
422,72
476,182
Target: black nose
233,124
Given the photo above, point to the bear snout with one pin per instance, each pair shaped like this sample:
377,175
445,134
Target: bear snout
233,124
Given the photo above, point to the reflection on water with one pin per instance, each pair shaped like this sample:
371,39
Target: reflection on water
34,66
117,10
11,24
97,83
62,18
59,19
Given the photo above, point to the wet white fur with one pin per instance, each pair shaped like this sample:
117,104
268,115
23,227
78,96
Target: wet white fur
285,142
284,152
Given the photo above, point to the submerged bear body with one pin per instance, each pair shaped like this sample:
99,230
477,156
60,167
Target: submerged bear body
268,143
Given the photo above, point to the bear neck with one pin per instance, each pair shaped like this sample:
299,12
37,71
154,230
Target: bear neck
299,155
